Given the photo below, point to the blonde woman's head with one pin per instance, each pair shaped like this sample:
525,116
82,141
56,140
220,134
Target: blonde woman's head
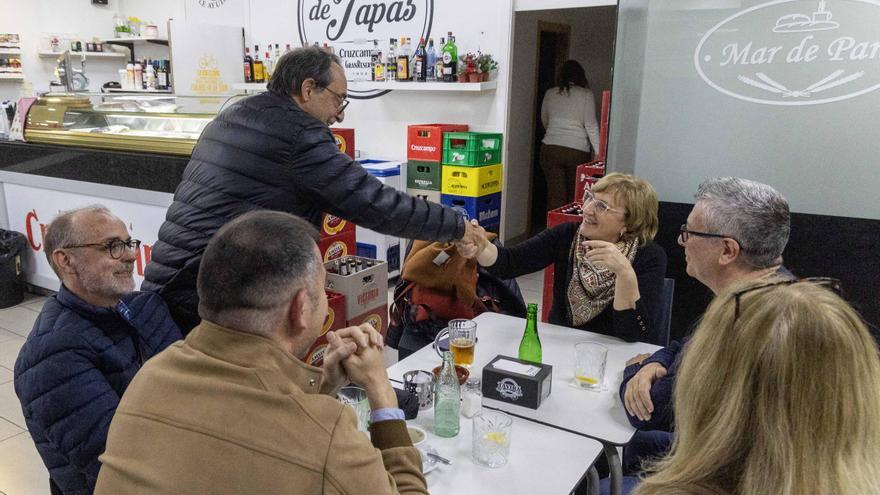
634,203
782,398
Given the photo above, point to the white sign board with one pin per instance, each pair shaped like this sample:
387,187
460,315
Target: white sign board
207,58
30,209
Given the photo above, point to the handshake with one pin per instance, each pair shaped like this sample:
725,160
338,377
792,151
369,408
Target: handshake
474,241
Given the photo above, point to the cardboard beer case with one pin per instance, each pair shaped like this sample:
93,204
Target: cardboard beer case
364,290
344,140
377,317
332,225
334,321
337,246
510,383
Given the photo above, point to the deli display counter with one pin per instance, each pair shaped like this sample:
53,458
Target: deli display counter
164,124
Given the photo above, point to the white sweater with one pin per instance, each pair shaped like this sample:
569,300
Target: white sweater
570,119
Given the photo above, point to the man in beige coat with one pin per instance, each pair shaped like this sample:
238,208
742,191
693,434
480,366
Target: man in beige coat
233,409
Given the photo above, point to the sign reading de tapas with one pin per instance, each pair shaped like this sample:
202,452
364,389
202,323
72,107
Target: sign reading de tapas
351,26
794,52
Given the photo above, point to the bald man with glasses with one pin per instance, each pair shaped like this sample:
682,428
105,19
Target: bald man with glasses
86,345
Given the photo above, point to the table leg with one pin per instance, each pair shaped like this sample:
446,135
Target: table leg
614,464
593,476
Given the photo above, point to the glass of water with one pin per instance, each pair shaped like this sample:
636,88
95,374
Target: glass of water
491,438
589,365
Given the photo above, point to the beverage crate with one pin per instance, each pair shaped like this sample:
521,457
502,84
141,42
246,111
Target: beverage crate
485,209
377,317
471,181
333,225
334,321
423,175
547,295
364,289
472,149
344,140
381,247
432,196
337,246
571,212
587,173
425,141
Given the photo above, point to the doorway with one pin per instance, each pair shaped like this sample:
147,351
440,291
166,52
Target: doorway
554,41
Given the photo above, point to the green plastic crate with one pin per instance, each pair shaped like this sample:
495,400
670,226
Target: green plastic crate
472,149
423,175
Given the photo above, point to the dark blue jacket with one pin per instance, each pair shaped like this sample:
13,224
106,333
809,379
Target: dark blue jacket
265,152
72,371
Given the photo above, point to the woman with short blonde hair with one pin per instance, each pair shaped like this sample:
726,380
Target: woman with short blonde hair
778,393
609,273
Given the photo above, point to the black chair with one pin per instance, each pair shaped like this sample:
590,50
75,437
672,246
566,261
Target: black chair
665,319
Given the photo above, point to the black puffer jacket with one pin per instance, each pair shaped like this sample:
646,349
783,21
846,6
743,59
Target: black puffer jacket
265,152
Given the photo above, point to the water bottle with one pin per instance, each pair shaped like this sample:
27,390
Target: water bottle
447,400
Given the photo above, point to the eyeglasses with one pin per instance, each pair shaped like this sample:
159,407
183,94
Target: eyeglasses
343,98
600,206
684,233
832,284
116,247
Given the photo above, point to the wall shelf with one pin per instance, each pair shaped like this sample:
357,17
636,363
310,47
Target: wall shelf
136,41
10,51
11,77
48,54
150,91
397,86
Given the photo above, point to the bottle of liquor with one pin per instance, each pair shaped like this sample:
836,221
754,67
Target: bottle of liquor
138,76
530,345
420,66
431,61
438,64
378,63
391,62
287,48
277,52
447,400
403,61
269,66
259,69
411,53
450,59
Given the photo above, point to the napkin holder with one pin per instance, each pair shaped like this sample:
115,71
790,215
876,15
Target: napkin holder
515,383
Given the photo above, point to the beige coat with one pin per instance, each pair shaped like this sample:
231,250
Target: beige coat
229,412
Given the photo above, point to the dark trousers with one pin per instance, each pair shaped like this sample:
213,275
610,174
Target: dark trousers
560,169
645,447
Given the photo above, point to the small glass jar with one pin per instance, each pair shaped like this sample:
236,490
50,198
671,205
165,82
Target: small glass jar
471,397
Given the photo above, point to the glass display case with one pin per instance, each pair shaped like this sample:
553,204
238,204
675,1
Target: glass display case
140,123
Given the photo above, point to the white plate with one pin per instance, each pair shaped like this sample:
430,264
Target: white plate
428,464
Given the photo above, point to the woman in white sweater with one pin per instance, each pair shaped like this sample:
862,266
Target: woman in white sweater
569,116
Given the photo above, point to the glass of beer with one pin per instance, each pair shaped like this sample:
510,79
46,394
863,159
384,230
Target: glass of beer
462,341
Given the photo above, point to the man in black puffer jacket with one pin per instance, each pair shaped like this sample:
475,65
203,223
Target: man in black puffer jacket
275,151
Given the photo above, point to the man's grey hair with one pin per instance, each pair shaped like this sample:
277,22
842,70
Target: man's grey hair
754,214
253,266
63,231
299,64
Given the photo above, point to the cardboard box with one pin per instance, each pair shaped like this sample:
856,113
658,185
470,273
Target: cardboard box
333,225
334,321
337,246
377,317
364,290
427,195
423,175
486,209
471,181
425,141
344,139
508,390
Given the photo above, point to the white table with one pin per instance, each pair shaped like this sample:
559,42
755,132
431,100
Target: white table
599,415
542,460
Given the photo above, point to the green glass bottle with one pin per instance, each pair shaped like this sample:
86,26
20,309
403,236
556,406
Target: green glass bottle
447,400
530,345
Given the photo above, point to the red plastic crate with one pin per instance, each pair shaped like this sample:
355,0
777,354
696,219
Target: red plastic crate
556,215
337,246
425,141
547,299
334,321
603,126
554,218
344,139
587,172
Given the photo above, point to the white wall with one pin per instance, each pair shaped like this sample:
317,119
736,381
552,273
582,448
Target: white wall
592,44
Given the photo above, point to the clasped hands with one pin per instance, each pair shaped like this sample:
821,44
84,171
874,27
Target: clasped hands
353,354
474,240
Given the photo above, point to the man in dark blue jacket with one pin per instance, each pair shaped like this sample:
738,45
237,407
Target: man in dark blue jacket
736,232
86,345
275,151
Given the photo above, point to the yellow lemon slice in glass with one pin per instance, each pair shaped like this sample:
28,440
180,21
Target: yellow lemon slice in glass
586,379
497,437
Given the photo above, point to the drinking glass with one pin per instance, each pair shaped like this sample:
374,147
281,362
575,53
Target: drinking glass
491,438
471,397
589,365
421,384
356,398
462,341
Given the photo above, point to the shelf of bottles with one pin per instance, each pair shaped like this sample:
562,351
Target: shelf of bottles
49,54
11,77
392,85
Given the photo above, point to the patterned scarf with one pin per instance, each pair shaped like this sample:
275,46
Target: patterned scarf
592,287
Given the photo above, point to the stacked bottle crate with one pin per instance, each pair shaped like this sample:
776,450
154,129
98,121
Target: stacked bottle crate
424,152
471,178
364,283
371,244
337,238
334,321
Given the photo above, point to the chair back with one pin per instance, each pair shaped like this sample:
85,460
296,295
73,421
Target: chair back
665,319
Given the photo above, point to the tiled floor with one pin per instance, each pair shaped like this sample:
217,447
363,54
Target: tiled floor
21,470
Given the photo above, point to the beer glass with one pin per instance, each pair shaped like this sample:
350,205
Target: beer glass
356,398
491,438
589,365
462,341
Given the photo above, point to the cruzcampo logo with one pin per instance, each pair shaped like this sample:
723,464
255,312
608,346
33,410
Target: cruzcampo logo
794,52
509,389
